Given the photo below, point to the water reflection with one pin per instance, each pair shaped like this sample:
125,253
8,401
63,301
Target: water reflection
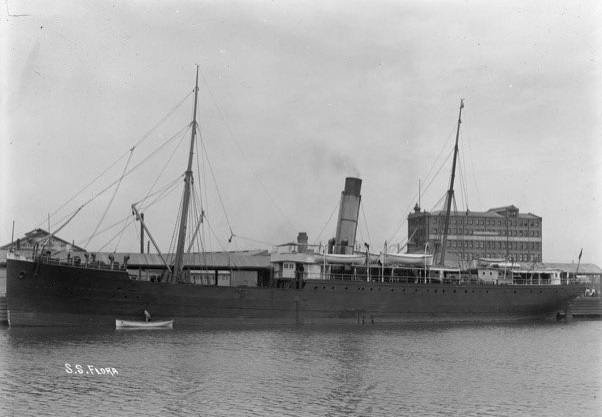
308,370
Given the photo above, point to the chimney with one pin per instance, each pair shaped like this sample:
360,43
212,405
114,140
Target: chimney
302,242
348,214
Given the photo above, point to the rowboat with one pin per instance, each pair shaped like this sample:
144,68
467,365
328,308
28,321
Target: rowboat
342,259
130,324
408,259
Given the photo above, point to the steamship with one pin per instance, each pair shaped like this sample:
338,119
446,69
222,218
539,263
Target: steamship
334,285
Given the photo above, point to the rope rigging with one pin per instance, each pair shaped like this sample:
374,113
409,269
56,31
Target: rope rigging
114,163
119,181
430,177
166,164
239,148
432,174
219,194
126,174
316,240
366,224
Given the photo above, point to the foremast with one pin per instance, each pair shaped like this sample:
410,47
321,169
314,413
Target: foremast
178,261
450,192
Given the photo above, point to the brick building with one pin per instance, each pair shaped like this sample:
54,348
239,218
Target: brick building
501,233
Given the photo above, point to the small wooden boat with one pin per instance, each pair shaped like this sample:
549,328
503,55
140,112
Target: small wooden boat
130,324
417,259
344,259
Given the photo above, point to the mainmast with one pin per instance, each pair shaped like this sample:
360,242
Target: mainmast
450,192
178,264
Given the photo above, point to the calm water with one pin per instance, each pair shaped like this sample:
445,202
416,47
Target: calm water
537,369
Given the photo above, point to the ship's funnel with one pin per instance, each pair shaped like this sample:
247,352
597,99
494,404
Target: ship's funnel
348,214
302,240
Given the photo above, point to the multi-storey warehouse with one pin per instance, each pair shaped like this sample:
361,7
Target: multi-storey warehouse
501,233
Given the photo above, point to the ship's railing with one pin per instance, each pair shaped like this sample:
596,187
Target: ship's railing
417,278
78,262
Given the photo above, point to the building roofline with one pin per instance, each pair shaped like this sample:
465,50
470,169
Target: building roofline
40,234
488,213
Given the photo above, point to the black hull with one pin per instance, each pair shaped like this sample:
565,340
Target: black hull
40,294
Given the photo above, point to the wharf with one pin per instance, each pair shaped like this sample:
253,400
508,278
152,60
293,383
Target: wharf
587,307
3,311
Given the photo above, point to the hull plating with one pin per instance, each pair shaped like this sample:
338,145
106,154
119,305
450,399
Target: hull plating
46,294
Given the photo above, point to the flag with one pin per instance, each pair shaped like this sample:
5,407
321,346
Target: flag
580,253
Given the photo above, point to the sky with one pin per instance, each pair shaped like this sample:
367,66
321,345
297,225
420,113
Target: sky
293,98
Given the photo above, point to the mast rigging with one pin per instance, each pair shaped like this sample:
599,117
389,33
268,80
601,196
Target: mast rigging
450,192
178,264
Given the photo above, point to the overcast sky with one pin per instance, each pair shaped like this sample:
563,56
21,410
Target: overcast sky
295,97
